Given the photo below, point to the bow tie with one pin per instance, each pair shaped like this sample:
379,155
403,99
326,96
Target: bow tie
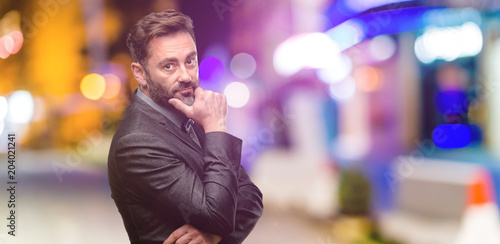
186,125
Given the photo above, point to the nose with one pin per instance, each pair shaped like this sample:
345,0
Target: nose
183,75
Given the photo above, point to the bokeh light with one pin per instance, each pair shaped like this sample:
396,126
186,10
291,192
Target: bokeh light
10,44
382,47
451,136
93,86
285,61
237,94
343,90
211,70
421,53
449,43
339,70
347,34
317,50
451,102
368,79
6,43
3,108
313,50
362,5
113,86
21,107
18,39
444,17
243,65
218,51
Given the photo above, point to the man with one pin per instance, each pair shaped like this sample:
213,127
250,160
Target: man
174,181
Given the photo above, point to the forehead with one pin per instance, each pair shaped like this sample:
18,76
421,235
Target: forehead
175,45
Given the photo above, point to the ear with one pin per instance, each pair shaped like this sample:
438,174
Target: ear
139,73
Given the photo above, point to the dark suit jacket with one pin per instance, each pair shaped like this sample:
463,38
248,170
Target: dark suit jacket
161,179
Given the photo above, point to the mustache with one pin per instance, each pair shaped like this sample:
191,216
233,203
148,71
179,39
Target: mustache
182,86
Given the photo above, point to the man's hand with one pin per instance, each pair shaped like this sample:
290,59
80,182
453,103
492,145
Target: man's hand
209,110
188,234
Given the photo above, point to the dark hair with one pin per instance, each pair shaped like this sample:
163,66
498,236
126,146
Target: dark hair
156,25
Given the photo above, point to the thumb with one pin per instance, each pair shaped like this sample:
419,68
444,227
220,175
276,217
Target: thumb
179,105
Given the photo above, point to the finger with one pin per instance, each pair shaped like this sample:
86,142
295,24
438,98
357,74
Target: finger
190,234
172,238
179,105
185,239
198,91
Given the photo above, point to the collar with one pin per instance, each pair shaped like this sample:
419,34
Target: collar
174,115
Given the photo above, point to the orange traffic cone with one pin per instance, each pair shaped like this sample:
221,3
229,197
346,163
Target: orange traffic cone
480,221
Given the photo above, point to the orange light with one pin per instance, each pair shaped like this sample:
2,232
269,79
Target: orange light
480,189
368,79
93,86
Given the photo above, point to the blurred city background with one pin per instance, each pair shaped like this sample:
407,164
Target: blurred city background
363,121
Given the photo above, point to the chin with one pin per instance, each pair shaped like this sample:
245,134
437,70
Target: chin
187,100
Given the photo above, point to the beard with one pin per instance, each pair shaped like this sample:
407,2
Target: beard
160,95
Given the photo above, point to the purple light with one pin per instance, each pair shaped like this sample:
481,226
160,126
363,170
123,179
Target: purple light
211,70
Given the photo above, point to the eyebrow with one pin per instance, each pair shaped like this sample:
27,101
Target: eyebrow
174,60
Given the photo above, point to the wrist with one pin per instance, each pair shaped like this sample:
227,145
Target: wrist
220,126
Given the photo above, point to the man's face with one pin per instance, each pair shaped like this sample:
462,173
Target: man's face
172,68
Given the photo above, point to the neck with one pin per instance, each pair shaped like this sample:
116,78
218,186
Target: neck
145,90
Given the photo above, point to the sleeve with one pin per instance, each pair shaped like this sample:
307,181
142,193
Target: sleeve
152,169
248,211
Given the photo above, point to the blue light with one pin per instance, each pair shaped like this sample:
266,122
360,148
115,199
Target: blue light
451,136
350,31
476,134
363,5
452,102
451,17
342,10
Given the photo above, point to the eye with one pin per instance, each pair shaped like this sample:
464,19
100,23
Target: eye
190,61
169,67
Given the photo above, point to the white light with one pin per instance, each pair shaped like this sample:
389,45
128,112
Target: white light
318,50
285,60
421,53
449,43
2,126
336,72
382,47
21,107
243,65
3,108
343,90
237,94
313,50
473,39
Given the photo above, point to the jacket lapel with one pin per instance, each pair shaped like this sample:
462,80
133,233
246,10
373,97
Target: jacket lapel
200,132
173,129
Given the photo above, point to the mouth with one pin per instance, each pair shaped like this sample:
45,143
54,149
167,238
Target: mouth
186,90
